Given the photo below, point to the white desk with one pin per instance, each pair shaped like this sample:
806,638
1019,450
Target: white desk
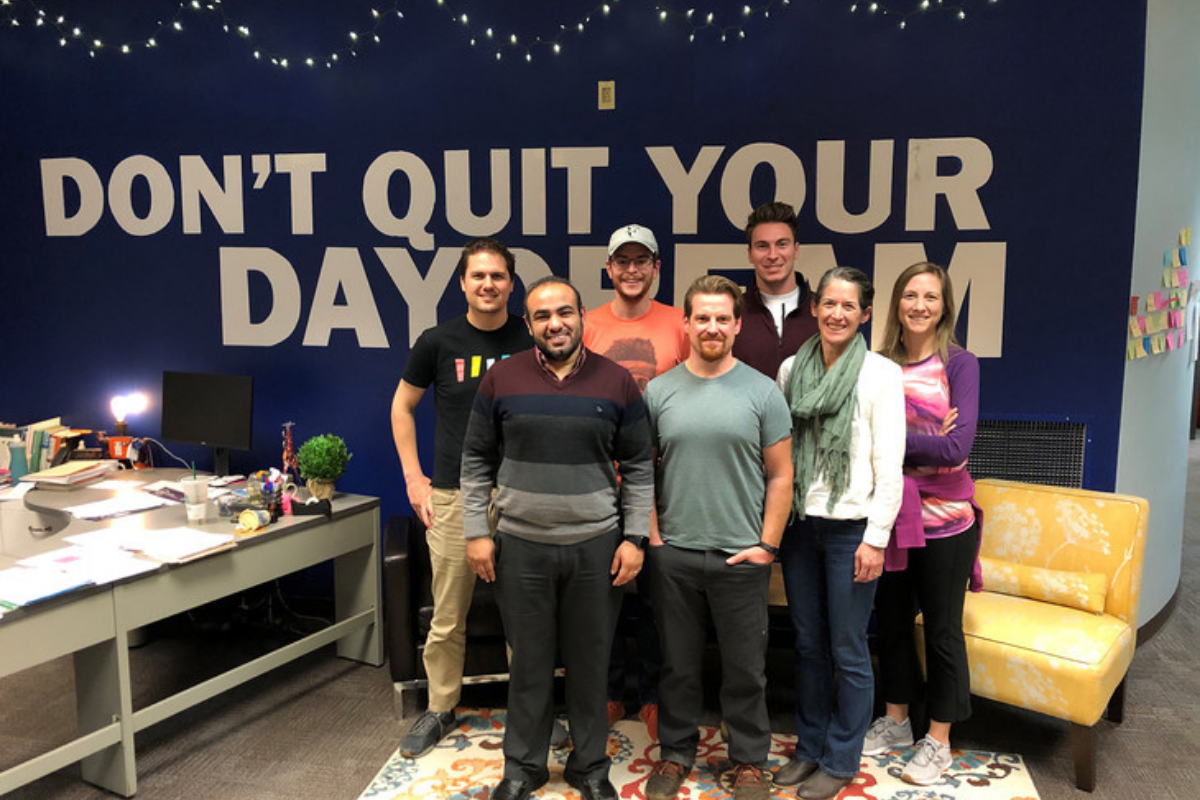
93,623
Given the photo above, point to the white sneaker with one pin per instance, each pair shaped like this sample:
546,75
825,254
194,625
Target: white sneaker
928,763
887,734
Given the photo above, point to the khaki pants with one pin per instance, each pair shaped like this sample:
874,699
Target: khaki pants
452,585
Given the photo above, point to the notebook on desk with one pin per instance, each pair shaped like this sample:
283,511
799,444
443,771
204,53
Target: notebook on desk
70,474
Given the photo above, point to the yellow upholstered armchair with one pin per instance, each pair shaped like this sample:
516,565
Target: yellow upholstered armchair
1055,628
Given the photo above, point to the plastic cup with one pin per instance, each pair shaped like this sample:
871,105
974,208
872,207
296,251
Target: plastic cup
195,497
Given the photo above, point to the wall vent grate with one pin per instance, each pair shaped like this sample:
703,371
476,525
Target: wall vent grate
1048,453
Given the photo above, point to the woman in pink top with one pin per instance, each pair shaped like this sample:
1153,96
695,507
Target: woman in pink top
936,542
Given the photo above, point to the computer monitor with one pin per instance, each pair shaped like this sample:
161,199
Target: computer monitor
211,410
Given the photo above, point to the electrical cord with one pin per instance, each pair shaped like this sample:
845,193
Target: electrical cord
150,453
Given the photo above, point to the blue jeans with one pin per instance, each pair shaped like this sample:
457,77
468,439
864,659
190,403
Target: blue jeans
835,688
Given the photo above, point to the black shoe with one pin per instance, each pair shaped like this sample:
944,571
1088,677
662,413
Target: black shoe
794,772
510,789
592,788
426,732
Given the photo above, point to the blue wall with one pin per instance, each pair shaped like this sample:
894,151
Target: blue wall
1050,93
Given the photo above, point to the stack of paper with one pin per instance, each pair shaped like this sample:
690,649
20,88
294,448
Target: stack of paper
20,586
166,545
72,473
180,545
120,505
98,565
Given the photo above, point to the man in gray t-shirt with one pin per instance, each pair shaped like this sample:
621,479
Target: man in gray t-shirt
722,431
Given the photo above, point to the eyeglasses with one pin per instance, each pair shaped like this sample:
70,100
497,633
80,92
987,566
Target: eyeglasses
641,263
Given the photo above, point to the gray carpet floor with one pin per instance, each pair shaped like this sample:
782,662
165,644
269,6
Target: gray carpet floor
322,727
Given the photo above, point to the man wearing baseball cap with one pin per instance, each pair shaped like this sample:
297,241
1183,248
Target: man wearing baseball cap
647,338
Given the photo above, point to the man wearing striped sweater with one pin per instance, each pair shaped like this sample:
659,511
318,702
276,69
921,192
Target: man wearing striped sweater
551,430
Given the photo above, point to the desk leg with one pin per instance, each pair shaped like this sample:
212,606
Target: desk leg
357,588
103,695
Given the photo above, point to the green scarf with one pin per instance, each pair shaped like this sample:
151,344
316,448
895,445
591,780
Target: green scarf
822,404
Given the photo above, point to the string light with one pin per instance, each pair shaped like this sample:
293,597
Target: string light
925,7
732,26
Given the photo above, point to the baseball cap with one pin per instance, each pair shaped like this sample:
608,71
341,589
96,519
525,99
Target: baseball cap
637,234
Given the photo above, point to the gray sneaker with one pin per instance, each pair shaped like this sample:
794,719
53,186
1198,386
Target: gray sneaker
928,763
887,734
426,732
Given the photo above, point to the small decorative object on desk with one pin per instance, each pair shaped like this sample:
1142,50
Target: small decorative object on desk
322,460
253,519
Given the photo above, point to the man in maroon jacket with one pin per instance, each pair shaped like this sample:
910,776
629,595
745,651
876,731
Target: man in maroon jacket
777,316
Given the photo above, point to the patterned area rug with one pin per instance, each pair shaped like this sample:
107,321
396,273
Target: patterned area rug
468,763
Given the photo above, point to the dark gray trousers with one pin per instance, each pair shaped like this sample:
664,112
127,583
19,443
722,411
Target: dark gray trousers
557,600
690,588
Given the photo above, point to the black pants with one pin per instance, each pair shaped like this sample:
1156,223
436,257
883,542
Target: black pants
556,599
637,608
691,587
935,583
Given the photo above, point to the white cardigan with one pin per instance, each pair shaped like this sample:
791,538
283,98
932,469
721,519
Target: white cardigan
876,452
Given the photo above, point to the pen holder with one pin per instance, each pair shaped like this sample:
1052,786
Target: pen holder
274,502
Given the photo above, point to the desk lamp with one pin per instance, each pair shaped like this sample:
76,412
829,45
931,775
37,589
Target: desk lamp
122,405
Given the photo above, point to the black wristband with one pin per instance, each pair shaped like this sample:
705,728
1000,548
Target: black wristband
641,542
770,548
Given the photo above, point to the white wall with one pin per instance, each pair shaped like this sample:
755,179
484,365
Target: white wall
1155,413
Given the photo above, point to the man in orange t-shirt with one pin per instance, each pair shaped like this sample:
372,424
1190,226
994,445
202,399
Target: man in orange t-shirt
647,338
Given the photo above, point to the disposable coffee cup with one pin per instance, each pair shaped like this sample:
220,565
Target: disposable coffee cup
195,497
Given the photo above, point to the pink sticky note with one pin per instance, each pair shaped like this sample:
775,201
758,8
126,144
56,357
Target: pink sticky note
1158,301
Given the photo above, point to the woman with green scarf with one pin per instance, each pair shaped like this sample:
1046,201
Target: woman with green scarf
848,434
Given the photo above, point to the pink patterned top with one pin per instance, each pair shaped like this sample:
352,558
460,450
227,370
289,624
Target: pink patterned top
931,389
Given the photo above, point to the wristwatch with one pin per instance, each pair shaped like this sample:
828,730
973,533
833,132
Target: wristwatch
770,548
641,542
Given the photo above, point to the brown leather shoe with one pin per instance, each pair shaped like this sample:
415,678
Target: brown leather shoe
749,783
665,780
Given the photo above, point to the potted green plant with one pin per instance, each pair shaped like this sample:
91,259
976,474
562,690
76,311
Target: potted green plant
322,460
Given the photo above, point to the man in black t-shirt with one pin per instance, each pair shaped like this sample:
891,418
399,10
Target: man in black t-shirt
452,358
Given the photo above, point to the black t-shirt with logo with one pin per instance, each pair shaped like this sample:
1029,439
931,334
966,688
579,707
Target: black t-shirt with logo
453,358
